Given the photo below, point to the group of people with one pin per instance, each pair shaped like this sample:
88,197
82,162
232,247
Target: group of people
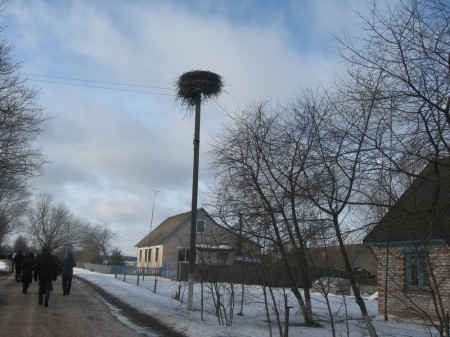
45,267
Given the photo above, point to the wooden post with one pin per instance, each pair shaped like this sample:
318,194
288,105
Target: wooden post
286,323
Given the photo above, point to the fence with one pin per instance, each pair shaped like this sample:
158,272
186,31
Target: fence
124,269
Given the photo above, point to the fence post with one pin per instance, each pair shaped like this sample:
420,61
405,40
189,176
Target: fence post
154,288
124,275
286,325
179,293
137,279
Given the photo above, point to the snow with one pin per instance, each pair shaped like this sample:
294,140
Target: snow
173,313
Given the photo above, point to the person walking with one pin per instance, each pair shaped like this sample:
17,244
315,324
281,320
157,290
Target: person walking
46,270
27,271
17,264
67,273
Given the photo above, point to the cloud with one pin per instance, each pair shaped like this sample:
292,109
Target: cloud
110,148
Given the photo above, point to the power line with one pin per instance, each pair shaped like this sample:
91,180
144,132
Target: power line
101,82
101,87
222,108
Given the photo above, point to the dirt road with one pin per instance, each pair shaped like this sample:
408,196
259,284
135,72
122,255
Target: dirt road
84,313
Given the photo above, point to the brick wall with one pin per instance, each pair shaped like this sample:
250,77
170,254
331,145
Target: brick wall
407,303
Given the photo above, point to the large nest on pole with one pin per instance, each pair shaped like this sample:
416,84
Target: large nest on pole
198,84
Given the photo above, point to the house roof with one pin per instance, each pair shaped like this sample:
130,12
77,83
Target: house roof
422,213
331,258
165,229
172,224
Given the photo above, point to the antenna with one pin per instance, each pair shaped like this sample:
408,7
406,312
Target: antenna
151,226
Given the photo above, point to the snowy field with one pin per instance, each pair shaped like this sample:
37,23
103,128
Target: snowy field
253,322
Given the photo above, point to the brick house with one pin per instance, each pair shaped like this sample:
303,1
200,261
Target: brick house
411,243
167,246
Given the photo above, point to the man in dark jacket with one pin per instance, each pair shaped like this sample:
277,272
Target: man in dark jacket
67,273
17,264
27,271
46,270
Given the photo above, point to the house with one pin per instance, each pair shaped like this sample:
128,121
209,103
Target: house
167,246
328,261
412,247
326,264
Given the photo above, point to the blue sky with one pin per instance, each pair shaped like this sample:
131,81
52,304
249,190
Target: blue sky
110,147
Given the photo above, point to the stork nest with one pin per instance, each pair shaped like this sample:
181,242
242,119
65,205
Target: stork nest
198,84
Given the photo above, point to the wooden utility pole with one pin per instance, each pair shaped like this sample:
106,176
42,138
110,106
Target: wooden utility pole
192,86
192,250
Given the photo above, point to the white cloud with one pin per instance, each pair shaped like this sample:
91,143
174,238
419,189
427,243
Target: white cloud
110,148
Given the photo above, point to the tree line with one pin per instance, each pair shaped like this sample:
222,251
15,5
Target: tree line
51,224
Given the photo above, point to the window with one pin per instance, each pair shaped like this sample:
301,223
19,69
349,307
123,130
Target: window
146,253
140,254
416,275
150,255
200,226
222,255
157,255
183,255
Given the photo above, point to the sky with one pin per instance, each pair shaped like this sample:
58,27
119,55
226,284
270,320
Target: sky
118,142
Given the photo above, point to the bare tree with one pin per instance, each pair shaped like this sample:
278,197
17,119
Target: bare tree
53,225
13,204
338,170
98,241
21,121
258,162
116,257
408,48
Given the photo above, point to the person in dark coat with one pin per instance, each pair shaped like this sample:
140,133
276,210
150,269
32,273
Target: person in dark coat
67,273
58,263
27,271
17,264
46,270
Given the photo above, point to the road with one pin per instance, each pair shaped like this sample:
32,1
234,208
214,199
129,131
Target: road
88,311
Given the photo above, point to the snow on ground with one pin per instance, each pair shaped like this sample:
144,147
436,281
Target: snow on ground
163,306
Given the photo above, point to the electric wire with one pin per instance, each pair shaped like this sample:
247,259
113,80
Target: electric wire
110,87
101,82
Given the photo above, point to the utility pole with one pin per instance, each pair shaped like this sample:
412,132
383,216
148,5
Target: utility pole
192,86
151,227
192,250
67,239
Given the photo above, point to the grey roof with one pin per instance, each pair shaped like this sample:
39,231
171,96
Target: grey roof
422,213
164,230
